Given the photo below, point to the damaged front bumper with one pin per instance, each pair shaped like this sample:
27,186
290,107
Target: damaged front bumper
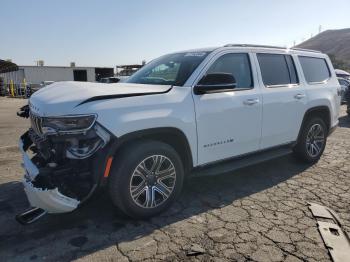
50,200
63,171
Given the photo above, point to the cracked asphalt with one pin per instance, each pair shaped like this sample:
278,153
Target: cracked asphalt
258,213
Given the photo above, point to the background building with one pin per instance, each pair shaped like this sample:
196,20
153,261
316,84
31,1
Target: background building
22,81
38,74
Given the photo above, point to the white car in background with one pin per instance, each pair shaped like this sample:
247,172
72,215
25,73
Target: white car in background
342,74
46,83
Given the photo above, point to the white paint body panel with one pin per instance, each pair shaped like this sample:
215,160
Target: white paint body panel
226,126
50,200
326,95
283,112
123,115
63,98
173,109
282,115
29,167
205,119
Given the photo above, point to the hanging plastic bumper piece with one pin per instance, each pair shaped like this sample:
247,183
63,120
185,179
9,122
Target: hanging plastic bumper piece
50,200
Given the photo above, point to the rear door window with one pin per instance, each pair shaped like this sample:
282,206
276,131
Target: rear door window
315,69
277,69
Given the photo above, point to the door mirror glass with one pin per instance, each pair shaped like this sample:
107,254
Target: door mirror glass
215,83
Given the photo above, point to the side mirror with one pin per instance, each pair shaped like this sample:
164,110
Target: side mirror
215,83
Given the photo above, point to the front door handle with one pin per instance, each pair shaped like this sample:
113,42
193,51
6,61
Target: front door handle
250,102
299,96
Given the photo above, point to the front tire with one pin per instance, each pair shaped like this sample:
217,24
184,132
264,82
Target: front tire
147,179
312,140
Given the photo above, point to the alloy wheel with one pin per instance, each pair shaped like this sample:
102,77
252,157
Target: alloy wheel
152,181
315,140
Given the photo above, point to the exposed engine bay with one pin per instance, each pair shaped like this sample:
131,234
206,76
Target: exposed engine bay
63,168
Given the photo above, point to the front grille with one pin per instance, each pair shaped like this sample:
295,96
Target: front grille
36,122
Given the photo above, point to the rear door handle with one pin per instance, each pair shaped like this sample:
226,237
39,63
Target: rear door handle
250,102
299,96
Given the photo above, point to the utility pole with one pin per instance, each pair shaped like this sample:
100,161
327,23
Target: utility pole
320,29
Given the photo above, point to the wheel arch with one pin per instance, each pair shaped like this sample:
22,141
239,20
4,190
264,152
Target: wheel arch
321,111
169,135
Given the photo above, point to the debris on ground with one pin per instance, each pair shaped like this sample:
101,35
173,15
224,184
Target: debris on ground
335,238
194,250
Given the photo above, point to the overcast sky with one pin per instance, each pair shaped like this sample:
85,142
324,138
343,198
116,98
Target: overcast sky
111,32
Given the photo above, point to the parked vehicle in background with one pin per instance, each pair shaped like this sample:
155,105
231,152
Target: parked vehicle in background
197,112
109,80
125,71
344,84
2,87
35,87
46,83
123,78
342,74
347,99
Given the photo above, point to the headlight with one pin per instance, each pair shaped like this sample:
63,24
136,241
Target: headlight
67,124
81,147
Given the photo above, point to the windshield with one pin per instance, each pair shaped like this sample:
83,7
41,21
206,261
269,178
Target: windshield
173,69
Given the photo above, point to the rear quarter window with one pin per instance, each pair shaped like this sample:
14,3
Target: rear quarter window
315,69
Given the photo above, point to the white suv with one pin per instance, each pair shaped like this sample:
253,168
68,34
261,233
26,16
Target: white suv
197,112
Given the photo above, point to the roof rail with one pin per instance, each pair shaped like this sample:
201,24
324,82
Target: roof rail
272,47
250,45
306,50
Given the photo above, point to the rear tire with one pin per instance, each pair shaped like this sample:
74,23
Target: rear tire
147,179
312,140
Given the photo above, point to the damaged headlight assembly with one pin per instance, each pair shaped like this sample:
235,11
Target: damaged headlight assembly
67,124
84,135
81,148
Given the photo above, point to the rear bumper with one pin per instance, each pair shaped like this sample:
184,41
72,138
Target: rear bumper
50,200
